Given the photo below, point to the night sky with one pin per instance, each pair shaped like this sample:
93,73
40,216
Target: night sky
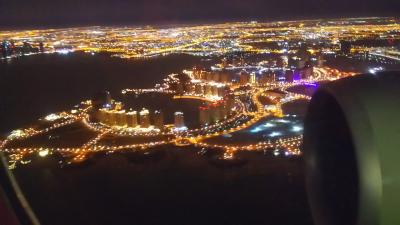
61,13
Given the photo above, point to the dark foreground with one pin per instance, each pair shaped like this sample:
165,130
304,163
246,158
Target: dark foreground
175,186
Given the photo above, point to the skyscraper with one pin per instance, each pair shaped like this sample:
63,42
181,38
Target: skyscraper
179,120
159,119
131,119
121,118
144,118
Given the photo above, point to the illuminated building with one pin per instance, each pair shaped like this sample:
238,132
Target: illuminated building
112,117
158,119
179,120
196,73
118,106
144,118
101,116
131,119
253,78
121,118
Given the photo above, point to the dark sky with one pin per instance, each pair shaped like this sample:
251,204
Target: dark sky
50,13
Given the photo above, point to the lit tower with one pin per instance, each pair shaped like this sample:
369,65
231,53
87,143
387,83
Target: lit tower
144,118
179,120
131,119
121,118
159,119
253,78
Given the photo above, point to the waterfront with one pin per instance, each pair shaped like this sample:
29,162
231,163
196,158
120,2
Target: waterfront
39,85
98,157
165,185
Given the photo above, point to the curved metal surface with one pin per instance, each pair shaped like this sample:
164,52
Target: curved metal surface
352,147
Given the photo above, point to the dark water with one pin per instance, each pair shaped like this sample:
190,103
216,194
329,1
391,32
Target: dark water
34,86
168,186
174,186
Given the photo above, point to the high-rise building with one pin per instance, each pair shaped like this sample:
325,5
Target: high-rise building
121,118
102,116
159,119
196,73
118,106
112,117
179,120
253,78
144,118
131,119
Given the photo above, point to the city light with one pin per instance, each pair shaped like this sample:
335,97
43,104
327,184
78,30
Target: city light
238,95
